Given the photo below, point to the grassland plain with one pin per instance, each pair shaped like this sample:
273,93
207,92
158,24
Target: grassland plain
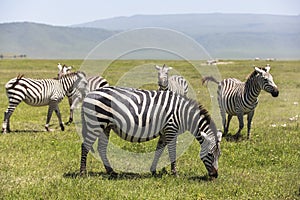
35,164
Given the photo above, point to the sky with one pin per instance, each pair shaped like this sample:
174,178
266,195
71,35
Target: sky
69,12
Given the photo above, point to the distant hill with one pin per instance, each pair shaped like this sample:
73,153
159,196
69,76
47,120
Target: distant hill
45,41
236,36
223,35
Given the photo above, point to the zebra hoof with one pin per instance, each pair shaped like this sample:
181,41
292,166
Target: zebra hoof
113,175
153,173
82,173
69,122
62,127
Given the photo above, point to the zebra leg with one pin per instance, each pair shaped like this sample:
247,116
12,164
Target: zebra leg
89,138
102,149
59,118
7,114
84,153
172,154
249,119
51,107
5,125
229,117
223,115
73,105
161,144
241,126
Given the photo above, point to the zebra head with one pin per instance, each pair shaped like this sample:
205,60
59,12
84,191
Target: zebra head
62,70
81,84
163,75
265,80
210,152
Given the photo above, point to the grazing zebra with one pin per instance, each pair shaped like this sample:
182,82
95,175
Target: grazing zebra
75,96
141,115
41,92
238,98
174,83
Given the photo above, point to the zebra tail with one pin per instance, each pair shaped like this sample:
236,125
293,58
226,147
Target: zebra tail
19,77
206,79
84,130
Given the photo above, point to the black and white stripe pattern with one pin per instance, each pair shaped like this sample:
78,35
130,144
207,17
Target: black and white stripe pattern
141,115
41,92
75,96
238,98
173,83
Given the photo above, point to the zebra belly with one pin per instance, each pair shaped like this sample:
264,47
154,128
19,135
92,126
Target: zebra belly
135,136
36,102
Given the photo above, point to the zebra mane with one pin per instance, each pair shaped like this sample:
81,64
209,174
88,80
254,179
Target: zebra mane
203,111
72,74
254,73
208,118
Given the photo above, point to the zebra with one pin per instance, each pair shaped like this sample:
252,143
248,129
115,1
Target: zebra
141,115
75,96
174,83
41,92
238,98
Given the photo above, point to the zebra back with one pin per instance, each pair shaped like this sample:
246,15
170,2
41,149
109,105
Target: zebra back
96,82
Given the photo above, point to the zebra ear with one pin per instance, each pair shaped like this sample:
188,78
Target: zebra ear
59,66
259,70
157,67
268,67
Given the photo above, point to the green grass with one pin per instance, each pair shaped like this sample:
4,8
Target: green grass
35,164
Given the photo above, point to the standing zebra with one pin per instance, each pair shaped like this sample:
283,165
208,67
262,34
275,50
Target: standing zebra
240,98
141,115
75,96
41,92
173,83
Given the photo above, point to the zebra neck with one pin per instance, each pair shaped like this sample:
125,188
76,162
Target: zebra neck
198,120
164,88
67,82
252,89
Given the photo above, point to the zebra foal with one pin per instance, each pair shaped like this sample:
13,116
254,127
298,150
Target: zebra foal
238,98
173,83
142,115
41,92
75,96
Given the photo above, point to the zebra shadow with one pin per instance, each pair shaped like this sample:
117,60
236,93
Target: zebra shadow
204,178
132,176
233,138
25,131
104,175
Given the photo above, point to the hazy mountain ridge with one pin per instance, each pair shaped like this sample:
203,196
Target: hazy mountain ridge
45,41
222,35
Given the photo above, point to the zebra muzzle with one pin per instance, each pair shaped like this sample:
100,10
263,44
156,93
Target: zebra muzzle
275,92
213,173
